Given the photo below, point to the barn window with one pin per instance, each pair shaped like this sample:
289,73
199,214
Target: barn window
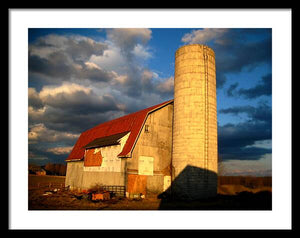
146,128
145,165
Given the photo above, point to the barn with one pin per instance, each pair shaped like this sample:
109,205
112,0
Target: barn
169,147
132,151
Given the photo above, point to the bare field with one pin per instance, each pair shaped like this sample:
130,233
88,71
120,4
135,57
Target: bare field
230,197
35,181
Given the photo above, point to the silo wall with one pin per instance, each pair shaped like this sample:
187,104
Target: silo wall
194,151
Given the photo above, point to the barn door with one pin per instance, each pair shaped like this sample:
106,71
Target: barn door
136,184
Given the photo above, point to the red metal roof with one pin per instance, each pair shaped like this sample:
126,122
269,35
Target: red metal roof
132,123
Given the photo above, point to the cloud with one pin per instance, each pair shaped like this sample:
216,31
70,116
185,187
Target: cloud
57,65
235,142
34,99
242,141
232,89
262,112
75,98
39,133
127,39
111,60
141,52
236,49
205,35
78,48
260,167
166,86
40,153
71,107
263,88
62,58
60,150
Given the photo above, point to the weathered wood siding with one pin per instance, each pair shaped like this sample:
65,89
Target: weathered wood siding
154,141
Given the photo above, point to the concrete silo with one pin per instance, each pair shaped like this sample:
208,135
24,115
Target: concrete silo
194,152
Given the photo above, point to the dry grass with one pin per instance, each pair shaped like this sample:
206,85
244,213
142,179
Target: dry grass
230,197
231,189
35,180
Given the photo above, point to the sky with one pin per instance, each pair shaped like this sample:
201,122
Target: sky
79,78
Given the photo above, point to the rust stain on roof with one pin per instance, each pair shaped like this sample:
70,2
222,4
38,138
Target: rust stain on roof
130,123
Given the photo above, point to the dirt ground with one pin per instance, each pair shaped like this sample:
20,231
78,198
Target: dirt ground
51,199
230,197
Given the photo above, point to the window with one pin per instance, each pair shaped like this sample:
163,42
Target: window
145,165
147,128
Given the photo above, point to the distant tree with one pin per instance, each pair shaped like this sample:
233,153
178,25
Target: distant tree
50,168
55,169
62,170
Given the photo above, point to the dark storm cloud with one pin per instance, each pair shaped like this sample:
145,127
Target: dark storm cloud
77,47
231,90
233,58
81,50
70,107
221,79
236,49
95,74
58,67
263,88
55,65
61,58
40,154
262,112
242,153
61,120
81,103
34,99
236,141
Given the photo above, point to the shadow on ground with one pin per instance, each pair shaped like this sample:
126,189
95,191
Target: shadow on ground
187,193
242,201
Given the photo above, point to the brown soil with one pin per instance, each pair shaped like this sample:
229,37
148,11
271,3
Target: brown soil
229,198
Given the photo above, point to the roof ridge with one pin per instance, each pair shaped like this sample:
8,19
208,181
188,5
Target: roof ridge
132,122
128,115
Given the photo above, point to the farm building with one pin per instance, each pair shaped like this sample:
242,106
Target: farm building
170,147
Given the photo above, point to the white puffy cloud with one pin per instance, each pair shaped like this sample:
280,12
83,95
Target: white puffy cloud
205,35
40,133
141,52
111,60
66,88
76,98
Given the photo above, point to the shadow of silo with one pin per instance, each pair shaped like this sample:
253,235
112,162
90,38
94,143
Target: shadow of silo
192,184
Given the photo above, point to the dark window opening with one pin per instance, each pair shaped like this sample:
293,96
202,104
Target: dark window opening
147,128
